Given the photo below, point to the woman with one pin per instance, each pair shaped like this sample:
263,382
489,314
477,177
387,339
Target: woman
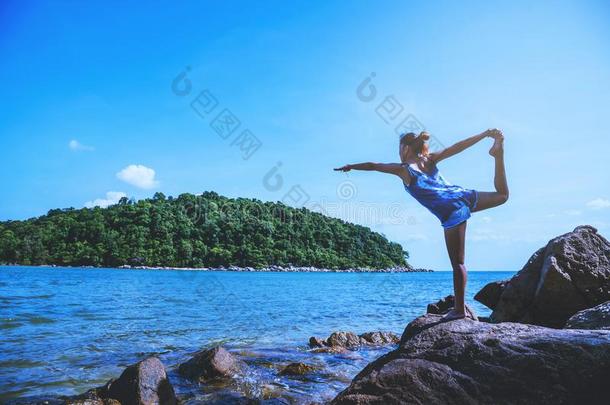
450,203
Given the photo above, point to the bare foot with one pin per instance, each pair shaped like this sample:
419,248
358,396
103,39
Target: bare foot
453,315
498,147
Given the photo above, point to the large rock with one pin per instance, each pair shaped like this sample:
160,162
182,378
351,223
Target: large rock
143,383
468,362
445,305
349,340
570,274
491,293
593,318
210,364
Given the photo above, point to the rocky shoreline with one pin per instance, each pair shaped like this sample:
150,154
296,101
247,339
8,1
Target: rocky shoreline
547,340
273,268
288,269
469,362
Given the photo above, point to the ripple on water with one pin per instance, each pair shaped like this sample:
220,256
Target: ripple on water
10,323
90,316
26,297
21,363
40,320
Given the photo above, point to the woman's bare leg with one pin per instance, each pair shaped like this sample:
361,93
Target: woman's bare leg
455,238
500,196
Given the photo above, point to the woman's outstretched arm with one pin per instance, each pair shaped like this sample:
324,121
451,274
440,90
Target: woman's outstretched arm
390,168
462,145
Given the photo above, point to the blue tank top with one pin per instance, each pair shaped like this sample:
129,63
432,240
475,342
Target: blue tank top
451,204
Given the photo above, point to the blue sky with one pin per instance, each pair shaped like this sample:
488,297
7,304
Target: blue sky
90,113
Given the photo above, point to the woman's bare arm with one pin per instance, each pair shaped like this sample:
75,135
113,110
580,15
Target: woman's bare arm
462,145
390,168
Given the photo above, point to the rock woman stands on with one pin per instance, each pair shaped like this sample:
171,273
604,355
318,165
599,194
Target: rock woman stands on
452,204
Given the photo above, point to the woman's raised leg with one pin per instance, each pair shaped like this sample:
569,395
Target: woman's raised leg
494,198
455,238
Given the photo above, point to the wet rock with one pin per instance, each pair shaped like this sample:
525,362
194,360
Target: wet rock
297,369
569,274
349,340
378,338
446,304
490,294
593,318
468,362
316,342
143,383
210,364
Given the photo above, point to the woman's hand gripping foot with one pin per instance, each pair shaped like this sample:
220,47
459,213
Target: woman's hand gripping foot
498,147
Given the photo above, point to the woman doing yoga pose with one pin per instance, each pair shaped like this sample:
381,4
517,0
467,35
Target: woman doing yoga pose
450,203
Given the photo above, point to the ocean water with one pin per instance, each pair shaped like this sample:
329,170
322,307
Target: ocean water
66,330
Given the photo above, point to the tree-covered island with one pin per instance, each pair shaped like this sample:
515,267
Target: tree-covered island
206,230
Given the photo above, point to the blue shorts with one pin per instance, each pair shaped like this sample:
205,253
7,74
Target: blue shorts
463,210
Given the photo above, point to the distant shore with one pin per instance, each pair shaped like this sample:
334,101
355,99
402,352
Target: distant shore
273,268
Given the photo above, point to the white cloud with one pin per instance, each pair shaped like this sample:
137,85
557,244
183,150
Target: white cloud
486,219
572,212
76,146
598,203
139,176
112,197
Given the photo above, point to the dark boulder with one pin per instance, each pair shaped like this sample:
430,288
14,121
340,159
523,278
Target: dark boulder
593,318
468,362
210,364
446,304
490,294
569,274
143,383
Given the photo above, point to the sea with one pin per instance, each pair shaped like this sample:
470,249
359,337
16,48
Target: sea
66,330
